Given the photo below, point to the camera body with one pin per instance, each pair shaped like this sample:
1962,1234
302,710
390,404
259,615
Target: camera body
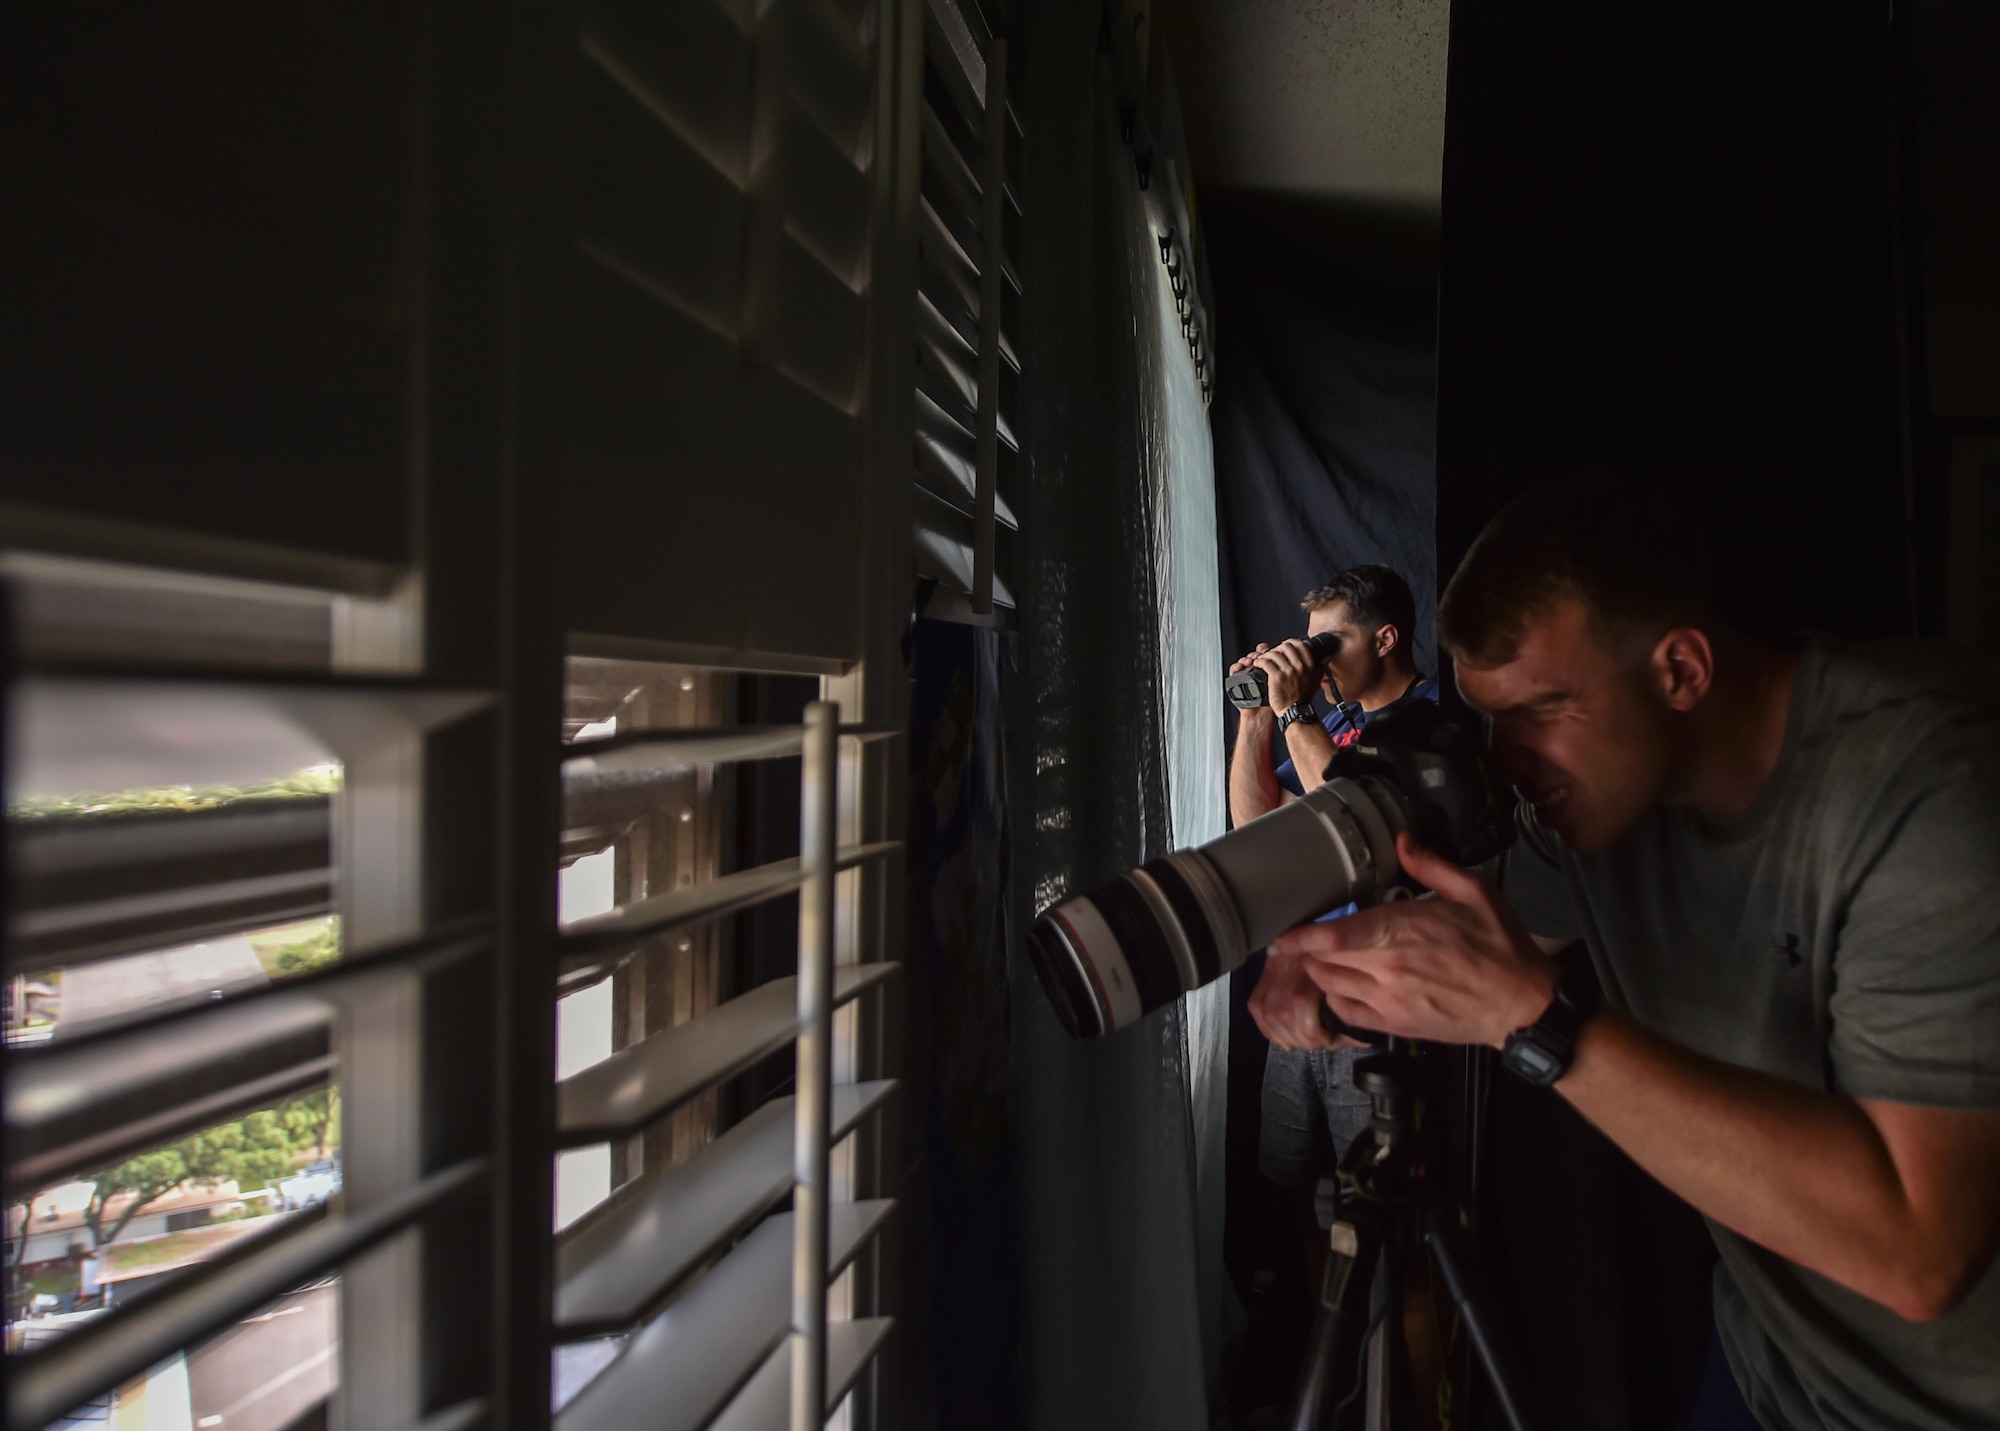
1440,765
1109,957
1250,689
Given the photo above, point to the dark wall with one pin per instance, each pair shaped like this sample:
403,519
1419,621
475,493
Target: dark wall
1667,249
216,335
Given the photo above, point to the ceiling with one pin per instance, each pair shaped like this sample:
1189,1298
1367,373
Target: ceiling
1321,99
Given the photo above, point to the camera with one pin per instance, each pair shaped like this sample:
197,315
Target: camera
1249,689
1108,958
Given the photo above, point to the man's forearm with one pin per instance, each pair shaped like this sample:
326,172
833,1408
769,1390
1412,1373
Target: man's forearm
1899,1202
1809,1175
1253,785
1310,747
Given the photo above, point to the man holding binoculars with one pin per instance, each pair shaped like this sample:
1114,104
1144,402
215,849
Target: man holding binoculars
1360,630
1368,618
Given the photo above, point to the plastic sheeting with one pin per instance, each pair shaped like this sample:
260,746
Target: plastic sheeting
1178,468
1119,1140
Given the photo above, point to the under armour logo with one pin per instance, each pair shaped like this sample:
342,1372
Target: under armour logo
1788,945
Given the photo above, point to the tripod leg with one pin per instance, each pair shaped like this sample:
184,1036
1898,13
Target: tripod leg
1392,1403
1332,1352
1488,1338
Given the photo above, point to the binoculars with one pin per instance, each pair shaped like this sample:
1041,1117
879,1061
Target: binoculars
1249,689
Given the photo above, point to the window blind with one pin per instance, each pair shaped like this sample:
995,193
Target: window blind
968,301
443,413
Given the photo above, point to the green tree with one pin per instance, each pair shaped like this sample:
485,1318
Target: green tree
314,1121
249,1152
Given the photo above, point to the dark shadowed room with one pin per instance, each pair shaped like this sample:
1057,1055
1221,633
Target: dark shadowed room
1000,715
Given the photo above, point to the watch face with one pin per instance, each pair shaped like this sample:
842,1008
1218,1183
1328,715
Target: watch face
1534,1063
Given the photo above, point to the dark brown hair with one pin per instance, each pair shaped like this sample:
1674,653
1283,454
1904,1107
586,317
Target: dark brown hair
1633,553
1375,595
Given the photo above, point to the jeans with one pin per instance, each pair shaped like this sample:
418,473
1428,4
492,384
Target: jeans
1312,1111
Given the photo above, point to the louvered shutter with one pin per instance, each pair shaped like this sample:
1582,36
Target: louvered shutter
968,299
436,418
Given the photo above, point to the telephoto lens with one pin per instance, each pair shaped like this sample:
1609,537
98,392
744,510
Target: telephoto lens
1108,958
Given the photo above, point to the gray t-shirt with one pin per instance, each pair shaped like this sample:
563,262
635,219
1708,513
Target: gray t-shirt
1844,933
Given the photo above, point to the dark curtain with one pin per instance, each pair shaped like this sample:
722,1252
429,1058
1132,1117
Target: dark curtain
958,1327
1325,407
1668,253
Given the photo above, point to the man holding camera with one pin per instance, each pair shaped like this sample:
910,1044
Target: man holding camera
1783,862
1311,1109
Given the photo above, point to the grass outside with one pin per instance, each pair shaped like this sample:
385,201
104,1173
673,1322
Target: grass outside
155,1251
55,1282
296,949
252,1207
320,780
176,1249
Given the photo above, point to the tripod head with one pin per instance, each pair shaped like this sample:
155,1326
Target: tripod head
1393,1164
1393,1205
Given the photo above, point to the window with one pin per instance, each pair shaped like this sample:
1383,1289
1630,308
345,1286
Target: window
629,834
419,407
220,957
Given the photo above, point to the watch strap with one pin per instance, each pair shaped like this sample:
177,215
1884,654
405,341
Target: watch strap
1293,713
1542,1052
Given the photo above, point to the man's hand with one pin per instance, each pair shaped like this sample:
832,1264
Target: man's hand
1291,670
1253,783
1456,969
1244,663
1285,1005
1258,714
1899,1203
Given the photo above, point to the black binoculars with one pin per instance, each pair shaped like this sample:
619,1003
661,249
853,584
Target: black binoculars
1250,688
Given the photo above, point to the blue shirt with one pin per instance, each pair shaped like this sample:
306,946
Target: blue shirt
1345,722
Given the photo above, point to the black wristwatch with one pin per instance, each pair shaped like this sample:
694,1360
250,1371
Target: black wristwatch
1542,1052
1296,711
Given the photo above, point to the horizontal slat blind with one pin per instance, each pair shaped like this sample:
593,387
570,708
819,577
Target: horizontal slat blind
640,1083
165,844
968,366
620,1265
682,1266
358,473
682,1369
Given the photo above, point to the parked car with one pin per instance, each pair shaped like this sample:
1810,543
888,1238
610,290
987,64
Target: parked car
311,1186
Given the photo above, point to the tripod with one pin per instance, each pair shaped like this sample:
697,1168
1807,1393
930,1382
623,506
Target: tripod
1387,1206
